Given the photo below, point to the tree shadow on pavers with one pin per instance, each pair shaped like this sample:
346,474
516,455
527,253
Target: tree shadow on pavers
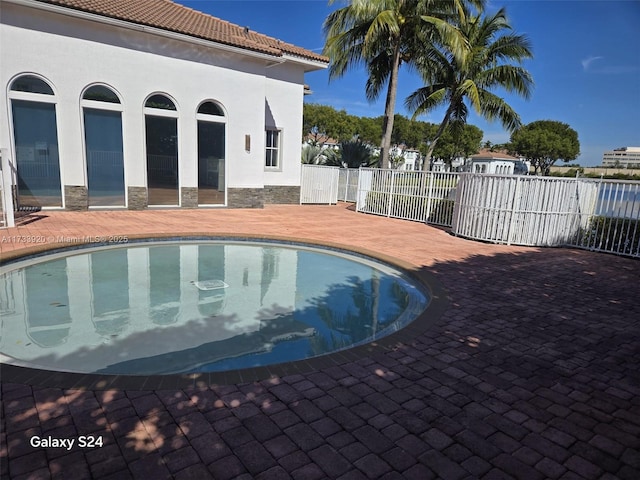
540,347
547,314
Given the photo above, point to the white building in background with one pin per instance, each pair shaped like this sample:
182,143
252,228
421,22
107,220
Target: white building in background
412,159
625,157
410,156
134,104
496,163
486,161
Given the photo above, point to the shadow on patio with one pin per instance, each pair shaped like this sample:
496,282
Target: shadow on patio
531,372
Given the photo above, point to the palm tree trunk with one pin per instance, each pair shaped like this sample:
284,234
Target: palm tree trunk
432,146
389,109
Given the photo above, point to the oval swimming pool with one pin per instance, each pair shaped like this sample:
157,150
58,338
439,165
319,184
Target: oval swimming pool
165,307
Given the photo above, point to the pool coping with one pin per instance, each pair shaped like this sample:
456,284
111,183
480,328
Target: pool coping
96,382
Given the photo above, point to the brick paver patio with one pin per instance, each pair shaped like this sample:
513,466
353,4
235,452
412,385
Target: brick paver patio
532,372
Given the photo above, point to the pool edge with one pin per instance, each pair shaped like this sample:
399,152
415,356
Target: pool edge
99,382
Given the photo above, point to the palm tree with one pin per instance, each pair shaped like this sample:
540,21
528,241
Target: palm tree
312,154
452,78
381,34
356,154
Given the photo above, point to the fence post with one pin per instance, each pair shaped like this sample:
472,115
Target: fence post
393,173
6,189
429,196
346,186
516,195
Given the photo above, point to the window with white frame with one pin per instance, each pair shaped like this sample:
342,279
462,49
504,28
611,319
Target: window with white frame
102,115
272,146
35,135
161,125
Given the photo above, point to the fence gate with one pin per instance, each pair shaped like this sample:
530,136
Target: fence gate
319,184
348,184
6,198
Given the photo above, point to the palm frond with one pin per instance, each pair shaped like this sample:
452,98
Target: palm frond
464,68
510,47
469,89
379,69
494,107
511,78
425,99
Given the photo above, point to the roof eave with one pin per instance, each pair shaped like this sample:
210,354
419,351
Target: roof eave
309,64
148,29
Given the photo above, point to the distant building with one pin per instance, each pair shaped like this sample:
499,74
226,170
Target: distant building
625,157
322,141
496,163
410,156
411,160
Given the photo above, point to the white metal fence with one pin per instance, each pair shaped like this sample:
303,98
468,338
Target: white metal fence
541,211
3,212
319,184
348,184
600,215
411,195
613,226
6,193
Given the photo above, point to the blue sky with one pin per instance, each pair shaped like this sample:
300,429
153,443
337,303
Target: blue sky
586,64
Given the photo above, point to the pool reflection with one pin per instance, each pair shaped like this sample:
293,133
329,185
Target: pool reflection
152,309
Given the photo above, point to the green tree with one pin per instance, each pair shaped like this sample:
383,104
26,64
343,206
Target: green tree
455,143
416,133
544,142
400,129
381,34
370,129
321,122
452,79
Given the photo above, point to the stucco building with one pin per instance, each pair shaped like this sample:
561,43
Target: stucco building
496,163
130,104
625,157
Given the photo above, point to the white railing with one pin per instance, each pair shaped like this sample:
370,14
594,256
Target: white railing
162,166
613,226
107,161
319,184
598,215
348,184
3,211
6,193
410,195
523,210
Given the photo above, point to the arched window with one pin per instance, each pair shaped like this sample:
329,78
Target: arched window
211,154
31,84
35,135
102,114
210,108
160,101
100,93
161,127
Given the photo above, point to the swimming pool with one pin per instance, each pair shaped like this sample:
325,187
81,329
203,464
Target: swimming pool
166,307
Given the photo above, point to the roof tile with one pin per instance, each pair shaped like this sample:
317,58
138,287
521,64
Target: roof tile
171,16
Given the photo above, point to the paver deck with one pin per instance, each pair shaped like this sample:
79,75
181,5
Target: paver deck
533,371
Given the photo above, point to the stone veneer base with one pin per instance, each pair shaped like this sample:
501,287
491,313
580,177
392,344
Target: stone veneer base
189,197
245,197
76,197
138,199
282,194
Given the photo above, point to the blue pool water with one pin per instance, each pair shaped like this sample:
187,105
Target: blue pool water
196,306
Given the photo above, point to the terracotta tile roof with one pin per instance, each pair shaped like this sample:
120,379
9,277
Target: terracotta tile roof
171,16
493,155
